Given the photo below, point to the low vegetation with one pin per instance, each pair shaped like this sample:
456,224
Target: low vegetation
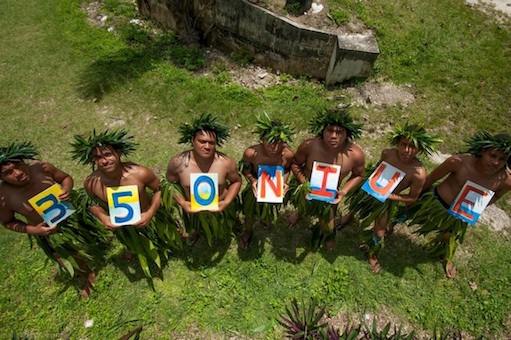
60,75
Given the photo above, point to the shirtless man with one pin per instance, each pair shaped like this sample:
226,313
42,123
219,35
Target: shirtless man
408,141
273,150
333,145
487,164
205,133
104,151
20,182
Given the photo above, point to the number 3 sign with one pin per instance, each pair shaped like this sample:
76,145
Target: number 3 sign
49,207
123,205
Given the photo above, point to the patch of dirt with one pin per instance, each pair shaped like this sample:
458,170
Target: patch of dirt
321,20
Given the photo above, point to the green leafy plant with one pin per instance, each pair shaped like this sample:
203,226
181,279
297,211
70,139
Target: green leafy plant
383,334
303,320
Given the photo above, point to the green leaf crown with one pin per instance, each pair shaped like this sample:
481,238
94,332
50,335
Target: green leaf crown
484,140
119,140
17,151
422,140
272,131
206,122
338,118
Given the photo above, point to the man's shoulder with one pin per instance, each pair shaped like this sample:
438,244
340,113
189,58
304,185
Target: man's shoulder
40,166
222,157
354,150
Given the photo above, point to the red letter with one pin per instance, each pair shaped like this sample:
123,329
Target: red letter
276,188
323,192
457,206
382,190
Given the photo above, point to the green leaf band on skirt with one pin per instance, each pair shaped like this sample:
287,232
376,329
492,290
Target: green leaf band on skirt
434,220
211,224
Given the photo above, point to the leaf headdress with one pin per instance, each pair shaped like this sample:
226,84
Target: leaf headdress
17,151
484,140
421,139
335,117
272,131
206,122
119,140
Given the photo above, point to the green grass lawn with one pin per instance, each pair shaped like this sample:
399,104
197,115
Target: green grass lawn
60,76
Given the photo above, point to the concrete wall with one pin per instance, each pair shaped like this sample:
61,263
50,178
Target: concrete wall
275,41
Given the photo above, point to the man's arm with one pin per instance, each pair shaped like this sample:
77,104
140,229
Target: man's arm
234,186
418,180
356,177
287,160
299,160
248,160
65,180
504,189
98,210
152,182
172,176
9,221
451,164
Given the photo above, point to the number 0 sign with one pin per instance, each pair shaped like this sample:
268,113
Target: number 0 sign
49,207
123,205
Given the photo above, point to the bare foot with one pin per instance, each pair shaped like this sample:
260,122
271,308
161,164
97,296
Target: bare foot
341,222
450,269
375,264
293,219
128,256
330,244
89,285
193,237
245,239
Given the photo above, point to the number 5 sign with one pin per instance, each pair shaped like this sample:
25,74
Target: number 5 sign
123,205
49,207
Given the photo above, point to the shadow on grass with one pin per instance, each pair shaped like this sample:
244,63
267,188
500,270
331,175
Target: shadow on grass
287,244
201,255
400,251
112,71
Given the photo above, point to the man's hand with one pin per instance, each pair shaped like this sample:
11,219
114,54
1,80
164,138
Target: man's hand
254,188
145,219
186,205
41,229
65,195
339,197
221,206
108,224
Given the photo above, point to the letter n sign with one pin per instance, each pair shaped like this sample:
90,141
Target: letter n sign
204,191
123,205
383,181
49,207
324,181
470,202
270,184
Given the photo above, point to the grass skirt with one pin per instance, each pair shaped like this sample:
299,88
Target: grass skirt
312,208
434,220
76,236
150,243
210,224
267,213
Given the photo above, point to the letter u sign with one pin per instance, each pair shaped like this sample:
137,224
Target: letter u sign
383,181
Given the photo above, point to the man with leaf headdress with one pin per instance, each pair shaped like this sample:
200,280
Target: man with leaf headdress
398,177
119,199
268,163
41,193
474,180
320,165
207,181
